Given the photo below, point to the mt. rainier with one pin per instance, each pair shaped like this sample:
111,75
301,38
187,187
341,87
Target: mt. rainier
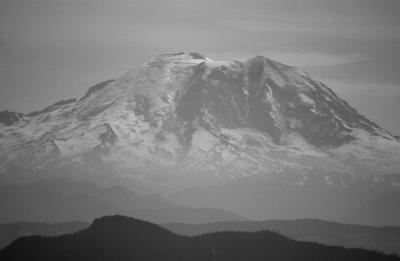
184,118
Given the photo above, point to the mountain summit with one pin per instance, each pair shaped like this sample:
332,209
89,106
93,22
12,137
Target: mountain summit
185,115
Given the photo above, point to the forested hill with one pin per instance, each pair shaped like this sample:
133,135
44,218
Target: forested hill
122,238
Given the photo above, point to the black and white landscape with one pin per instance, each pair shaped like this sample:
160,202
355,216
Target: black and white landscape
187,156
204,141
138,240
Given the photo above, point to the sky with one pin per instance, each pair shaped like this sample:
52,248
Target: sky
56,49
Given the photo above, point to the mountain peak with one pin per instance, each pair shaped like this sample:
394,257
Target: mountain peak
191,55
185,57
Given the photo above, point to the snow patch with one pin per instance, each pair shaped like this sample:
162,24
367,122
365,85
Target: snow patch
328,181
203,140
306,100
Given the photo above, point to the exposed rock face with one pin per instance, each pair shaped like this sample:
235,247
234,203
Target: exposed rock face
52,107
96,88
8,117
188,115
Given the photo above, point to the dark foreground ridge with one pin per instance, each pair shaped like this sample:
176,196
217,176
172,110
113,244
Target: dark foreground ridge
123,238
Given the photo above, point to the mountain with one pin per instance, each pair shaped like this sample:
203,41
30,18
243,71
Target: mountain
61,200
122,238
385,239
186,112
183,121
10,232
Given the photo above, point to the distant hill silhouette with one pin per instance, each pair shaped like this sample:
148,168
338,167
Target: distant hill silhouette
62,200
386,239
121,238
10,232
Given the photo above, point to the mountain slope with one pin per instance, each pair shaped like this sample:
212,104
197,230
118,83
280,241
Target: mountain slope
121,238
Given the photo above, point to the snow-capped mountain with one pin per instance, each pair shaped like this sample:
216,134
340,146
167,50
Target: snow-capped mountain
185,115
